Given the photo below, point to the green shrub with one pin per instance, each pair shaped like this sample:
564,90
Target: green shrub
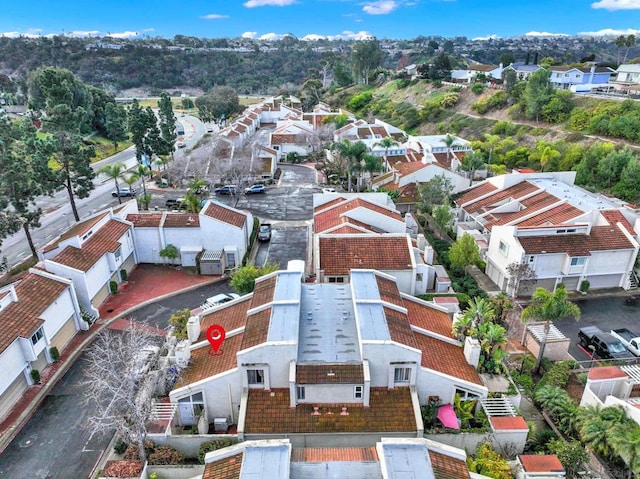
477,88
113,287
480,107
206,447
557,375
123,274
120,446
35,376
55,354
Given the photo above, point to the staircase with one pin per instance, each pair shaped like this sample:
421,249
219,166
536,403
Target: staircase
632,282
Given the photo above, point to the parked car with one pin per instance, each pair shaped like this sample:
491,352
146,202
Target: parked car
254,189
630,339
218,299
602,345
181,144
124,192
329,190
226,190
176,204
264,232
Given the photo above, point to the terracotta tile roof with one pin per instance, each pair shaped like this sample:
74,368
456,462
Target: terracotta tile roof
445,159
429,319
334,454
224,214
615,216
411,167
399,328
204,365
475,193
268,412
229,317
103,241
347,229
447,467
22,318
263,291
446,358
145,220
328,204
514,192
329,374
256,328
389,291
340,254
77,230
182,220
606,372
602,238
333,216
227,468
409,194
508,423
381,178
535,463
528,207
557,215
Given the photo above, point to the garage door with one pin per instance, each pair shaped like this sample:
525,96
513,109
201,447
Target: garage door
604,281
99,298
64,335
40,363
12,394
547,283
571,282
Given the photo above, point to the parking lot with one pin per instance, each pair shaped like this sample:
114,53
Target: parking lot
605,313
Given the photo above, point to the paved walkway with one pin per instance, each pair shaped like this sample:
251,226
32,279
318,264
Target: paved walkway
147,283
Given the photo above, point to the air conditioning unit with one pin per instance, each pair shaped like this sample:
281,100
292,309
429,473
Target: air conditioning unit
221,424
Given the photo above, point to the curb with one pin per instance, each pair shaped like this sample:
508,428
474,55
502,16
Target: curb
28,412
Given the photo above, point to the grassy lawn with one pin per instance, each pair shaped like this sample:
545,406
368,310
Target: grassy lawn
104,147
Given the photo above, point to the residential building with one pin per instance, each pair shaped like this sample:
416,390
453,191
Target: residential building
580,78
389,458
328,364
627,75
290,136
38,312
614,386
471,73
564,233
217,228
92,254
523,71
534,466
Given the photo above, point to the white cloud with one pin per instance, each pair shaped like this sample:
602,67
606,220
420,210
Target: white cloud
346,35
380,7
612,5
610,32
249,35
214,16
31,33
270,37
123,35
84,33
545,34
149,30
493,36
268,3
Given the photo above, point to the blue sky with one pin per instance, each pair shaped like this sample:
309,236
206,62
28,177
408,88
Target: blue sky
325,18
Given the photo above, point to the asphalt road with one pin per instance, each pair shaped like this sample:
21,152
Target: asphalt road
55,443
606,313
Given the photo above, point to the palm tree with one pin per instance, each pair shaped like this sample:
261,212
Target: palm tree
548,307
625,442
115,172
629,41
480,311
598,430
141,172
471,162
491,141
357,156
449,141
620,42
386,143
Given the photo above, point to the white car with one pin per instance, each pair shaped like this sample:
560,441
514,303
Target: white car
329,190
218,299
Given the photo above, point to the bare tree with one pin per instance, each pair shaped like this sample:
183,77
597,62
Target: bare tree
112,384
522,278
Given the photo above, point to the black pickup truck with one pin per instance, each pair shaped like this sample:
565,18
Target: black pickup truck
602,345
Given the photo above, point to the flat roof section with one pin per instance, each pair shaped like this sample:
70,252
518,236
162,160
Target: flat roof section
405,461
327,331
271,462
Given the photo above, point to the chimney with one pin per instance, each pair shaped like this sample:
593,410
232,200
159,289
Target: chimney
472,351
182,354
193,329
422,242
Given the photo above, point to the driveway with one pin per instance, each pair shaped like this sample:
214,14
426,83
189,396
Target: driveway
54,443
605,313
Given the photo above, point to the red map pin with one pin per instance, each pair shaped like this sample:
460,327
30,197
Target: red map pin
216,335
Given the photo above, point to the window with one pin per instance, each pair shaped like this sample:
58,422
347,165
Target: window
37,336
504,248
255,376
190,408
231,260
532,259
577,261
466,395
336,279
118,254
300,393
419,277
357,392
402,375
